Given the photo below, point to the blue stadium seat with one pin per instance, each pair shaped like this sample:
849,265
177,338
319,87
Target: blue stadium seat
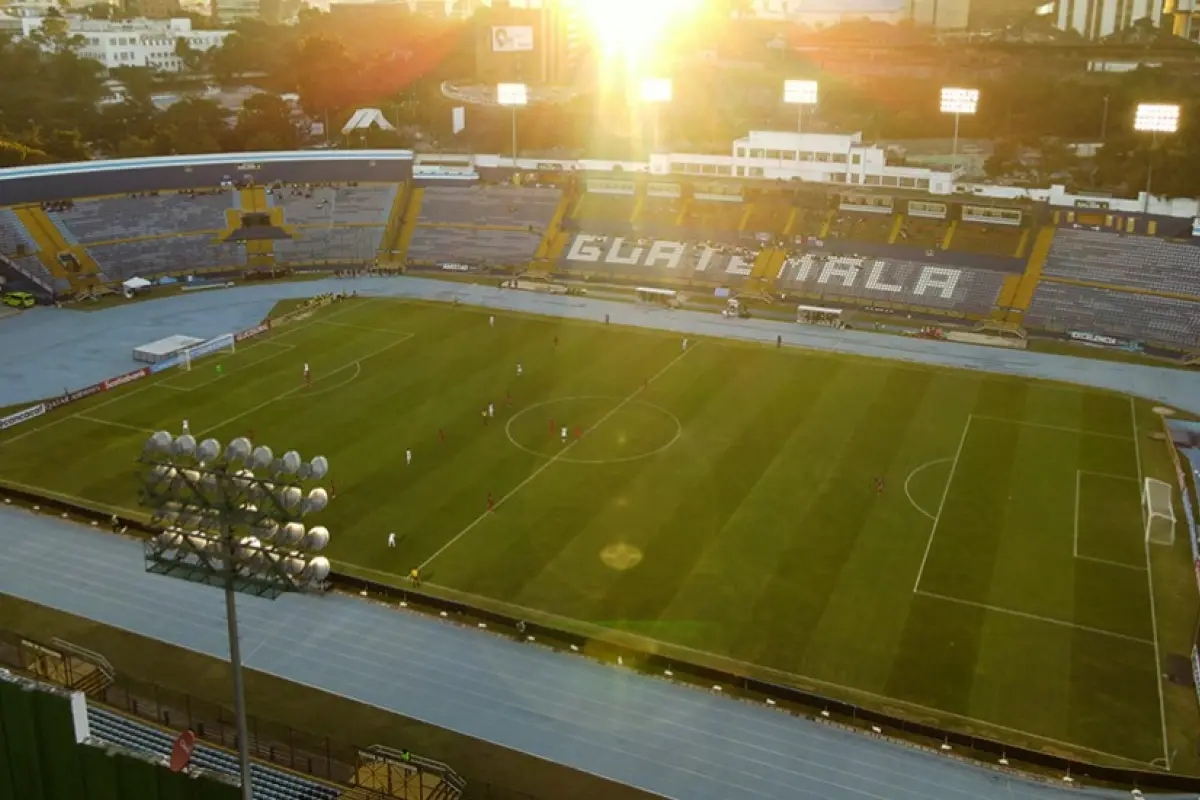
1140,317
1141,262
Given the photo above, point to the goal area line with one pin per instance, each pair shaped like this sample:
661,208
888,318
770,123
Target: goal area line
1079,473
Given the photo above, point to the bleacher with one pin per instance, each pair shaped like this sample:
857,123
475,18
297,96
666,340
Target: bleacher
512,206
34,266
13,237
809,221
114,218
921,232
596,207
975,237
768,216
472,245
868,227
334,205
659,211
168,254
707,263
857,279
714,215
1141,262
269,783
1139,317
323,245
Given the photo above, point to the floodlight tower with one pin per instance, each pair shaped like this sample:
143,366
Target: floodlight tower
1156,118
958,101
800,94
656,92
226,525
514,96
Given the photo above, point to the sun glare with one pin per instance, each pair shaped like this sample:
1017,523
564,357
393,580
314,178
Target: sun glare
633,28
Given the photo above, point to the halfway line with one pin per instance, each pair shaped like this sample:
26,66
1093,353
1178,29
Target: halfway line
545,466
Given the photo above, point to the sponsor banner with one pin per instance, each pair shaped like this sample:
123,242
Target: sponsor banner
128,377
1096,338
1196,669
549,166
453,266
22,416
435,172
612,187
669,190
78,394
257,330
512,38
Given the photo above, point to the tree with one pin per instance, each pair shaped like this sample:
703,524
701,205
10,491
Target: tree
190,56
265,123
193,125
54,35
325,76
13,154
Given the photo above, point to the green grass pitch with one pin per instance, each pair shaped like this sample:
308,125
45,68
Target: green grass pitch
721,501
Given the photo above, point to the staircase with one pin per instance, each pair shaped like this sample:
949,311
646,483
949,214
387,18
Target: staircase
1033,269
62,259
391,233
412,211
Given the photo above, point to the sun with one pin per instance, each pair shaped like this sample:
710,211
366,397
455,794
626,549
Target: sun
633,28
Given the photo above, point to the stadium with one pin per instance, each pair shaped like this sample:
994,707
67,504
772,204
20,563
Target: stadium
782,473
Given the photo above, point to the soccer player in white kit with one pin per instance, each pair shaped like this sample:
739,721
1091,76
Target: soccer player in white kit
185,427
408,456
491,410
307,373
391,540
564,434
519,369
492,321
684,343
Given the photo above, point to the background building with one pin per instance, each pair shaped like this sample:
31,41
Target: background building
1095,19
134,43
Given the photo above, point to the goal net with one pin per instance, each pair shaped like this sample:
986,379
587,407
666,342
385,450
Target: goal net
1160,513
223,343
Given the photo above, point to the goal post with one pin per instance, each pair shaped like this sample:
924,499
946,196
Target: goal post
1160,512
226,342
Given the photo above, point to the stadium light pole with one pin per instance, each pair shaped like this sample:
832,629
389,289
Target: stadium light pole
656,92
513,96
225,526
958,101
800,94
1156,118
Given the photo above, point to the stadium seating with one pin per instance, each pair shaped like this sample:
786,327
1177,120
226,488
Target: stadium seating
269,784
921,285
861,227
473,246
998,240
168,254
135,217
491,205
34,266
809,221
716,215
1141,262
659,211
322,245
1140,317
334,205
595,207
920,232
767,216
718,269
13,237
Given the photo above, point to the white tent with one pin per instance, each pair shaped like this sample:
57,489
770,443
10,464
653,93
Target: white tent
136,283
365,118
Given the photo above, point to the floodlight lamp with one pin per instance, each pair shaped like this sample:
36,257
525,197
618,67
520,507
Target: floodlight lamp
159,442
316,501
319,468
1157,118
800,92
656,90
238,449
512,94
261,457
959,101
208,451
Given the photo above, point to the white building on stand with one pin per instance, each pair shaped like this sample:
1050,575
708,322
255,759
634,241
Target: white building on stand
134,43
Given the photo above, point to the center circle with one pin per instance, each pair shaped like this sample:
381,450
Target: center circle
618,429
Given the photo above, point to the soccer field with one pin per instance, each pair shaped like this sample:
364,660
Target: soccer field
720,502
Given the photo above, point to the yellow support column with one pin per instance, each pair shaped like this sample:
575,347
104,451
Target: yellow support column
410,223
746,217
683,210
828,223
1033,269
949,235
552,230
897,224
787,229
1025,235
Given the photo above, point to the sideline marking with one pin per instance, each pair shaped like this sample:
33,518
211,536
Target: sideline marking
1044,426
1026,615
113,424
912,475
945,493
649,644
556,457
640,456
1162,706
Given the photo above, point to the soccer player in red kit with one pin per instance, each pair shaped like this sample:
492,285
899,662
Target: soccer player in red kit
879,486
578,432
552,426
491,503
441,435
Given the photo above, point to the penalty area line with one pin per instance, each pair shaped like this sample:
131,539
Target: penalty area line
555,458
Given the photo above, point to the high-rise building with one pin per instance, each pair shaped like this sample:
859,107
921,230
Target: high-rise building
228,12
1096,19
1184,16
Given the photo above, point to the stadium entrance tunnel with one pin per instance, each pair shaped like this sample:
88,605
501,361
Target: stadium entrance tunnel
599,429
